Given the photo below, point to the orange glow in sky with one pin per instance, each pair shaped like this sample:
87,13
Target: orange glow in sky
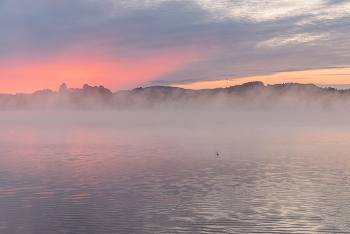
126,73
334,76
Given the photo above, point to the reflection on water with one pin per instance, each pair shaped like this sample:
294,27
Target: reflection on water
167,178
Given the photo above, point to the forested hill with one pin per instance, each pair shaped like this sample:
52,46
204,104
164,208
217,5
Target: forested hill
249,95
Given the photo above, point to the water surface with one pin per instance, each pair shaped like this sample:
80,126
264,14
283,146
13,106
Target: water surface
159,172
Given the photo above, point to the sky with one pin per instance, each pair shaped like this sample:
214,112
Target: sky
191,44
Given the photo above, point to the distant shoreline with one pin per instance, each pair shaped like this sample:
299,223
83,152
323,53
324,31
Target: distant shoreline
173,87
251,95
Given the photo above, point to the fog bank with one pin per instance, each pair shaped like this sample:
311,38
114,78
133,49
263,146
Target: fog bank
248,96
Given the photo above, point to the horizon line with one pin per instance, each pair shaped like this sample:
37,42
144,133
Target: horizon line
180,87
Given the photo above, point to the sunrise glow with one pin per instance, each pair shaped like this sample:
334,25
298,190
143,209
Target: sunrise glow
335,76
202,44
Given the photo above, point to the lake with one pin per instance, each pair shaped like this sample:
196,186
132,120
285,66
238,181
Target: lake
174,172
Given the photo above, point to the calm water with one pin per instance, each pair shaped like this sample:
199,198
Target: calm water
142,172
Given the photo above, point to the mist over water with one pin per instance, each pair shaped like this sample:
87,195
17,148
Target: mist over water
179,168
249,158
249,96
